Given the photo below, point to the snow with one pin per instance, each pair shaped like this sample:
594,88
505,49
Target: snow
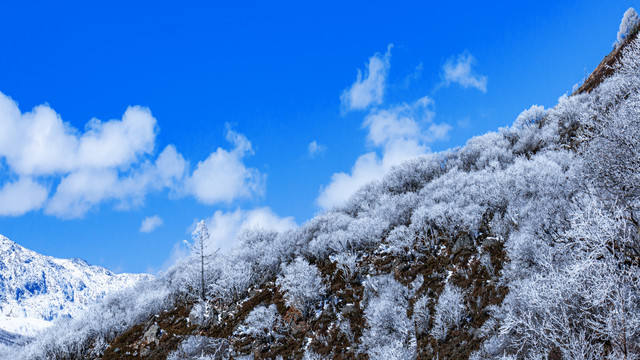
35,289
23,326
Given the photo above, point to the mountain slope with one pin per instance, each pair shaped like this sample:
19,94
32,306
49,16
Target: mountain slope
36,289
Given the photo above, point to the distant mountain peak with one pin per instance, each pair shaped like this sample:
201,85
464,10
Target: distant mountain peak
36,289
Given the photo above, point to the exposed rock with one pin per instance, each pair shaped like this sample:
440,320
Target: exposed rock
152,335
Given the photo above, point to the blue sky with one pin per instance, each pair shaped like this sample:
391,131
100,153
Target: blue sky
241,113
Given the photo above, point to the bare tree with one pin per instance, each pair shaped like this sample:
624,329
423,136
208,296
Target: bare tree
202,251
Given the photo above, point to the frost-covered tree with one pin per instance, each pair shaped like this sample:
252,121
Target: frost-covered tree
389,333
199,347
202,252
586,304
629,24
262,323
421,314
612,152
302,286
449,311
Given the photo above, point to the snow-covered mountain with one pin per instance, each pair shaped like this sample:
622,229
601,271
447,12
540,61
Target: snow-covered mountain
36,289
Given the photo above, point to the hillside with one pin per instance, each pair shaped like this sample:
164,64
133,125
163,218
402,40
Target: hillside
35,289
524,243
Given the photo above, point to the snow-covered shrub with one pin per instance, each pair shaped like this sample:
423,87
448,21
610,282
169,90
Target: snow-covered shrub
347,263
455,202
264,250
394,350
612,153
421,314
262,323
629,23
564,121
198,347
400,239
413,174
317,233
389,330
310,355
529,117
360,234
233,280
302,285
449,311
491,150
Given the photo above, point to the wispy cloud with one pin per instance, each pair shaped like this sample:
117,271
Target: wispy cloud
151,223
459,70
314,149
368,89
413,77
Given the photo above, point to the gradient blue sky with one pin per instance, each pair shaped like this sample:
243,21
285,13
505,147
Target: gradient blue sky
275,74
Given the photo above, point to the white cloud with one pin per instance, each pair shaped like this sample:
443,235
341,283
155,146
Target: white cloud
401,132
316,149
108,162
151,223
81,190
370,89
459,70
40,143
413,77
224,227
22,196
223,177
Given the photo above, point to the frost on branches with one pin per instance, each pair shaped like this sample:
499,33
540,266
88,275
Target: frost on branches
628,24
302,286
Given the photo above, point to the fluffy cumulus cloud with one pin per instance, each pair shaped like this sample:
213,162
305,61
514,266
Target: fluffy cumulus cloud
223,177
150,223
459,70
109,162
224,227
368,89
399,133
21,196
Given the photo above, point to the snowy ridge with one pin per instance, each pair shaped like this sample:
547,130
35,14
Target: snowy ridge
36,289
8,338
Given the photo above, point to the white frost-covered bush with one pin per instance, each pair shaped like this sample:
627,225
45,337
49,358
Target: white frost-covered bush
421,314
347,263
628,24
302,285
200,348
449,312
389,330
262,323
531,116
